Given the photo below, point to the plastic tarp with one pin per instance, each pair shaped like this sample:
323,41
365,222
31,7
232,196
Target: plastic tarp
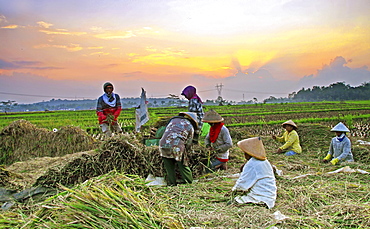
141,113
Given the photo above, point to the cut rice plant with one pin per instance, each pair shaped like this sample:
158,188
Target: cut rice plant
113,200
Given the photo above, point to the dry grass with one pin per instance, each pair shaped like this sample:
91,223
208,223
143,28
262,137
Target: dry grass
21,141
318,200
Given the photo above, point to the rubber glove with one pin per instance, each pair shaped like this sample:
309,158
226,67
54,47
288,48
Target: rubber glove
327,158
334,161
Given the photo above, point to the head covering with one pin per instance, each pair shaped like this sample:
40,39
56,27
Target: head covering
190,92
290,122
214,131
212,117
191,116
340,127
254,147
106,85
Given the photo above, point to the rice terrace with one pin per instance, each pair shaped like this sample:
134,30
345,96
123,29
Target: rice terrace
57,171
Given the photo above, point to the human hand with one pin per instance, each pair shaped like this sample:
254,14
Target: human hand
102,117
279,151
334,161
327,158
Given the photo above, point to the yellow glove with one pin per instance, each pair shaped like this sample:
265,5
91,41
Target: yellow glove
334,161
327,157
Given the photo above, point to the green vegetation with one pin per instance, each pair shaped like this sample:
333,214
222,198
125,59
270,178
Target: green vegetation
307,194
334,92
237,115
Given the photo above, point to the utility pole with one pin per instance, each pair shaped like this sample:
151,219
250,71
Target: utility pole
219,98
219,89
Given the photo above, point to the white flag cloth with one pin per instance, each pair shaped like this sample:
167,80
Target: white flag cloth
141,113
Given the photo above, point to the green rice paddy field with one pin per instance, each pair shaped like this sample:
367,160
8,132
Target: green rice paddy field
309,196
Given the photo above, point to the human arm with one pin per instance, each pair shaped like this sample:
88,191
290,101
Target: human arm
226,141
99,111
278,138
190,136
116,113
118,101
247,178
291,138
207,141
329,154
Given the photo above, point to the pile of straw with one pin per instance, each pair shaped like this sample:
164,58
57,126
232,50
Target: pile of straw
123,153
21,141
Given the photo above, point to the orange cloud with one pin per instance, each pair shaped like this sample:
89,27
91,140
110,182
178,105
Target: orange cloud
44,24
12,27
69,48
61,32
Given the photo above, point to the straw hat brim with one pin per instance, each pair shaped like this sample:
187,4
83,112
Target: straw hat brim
192,116
290,122
213,121
212,117
253,147
340,127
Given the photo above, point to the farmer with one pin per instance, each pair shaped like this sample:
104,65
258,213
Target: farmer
290,139
257,181
340,146
175,145
218,139
195,105
108,109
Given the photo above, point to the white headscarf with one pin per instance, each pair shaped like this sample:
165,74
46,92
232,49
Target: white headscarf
107,99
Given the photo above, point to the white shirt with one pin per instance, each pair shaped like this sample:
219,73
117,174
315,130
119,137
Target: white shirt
258,179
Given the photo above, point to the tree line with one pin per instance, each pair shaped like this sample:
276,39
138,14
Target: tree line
338,91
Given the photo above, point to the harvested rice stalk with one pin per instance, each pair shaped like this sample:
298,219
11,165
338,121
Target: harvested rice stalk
123,153
22,140
113,200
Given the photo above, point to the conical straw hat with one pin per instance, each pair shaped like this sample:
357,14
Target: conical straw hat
290,122
192,116
254,147
340,127
212,117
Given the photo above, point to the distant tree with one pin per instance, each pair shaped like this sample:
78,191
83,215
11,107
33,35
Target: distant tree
172,96
8,105
338,91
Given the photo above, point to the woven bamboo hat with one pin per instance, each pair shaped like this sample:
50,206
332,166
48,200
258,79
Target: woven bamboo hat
340,127
254,147
290,122
191,116
212,117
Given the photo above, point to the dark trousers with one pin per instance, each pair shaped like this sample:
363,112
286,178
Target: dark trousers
170,166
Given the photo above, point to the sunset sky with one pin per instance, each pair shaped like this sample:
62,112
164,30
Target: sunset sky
67,49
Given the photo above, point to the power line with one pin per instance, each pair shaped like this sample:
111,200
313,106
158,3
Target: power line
45,96
256,92
219,88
